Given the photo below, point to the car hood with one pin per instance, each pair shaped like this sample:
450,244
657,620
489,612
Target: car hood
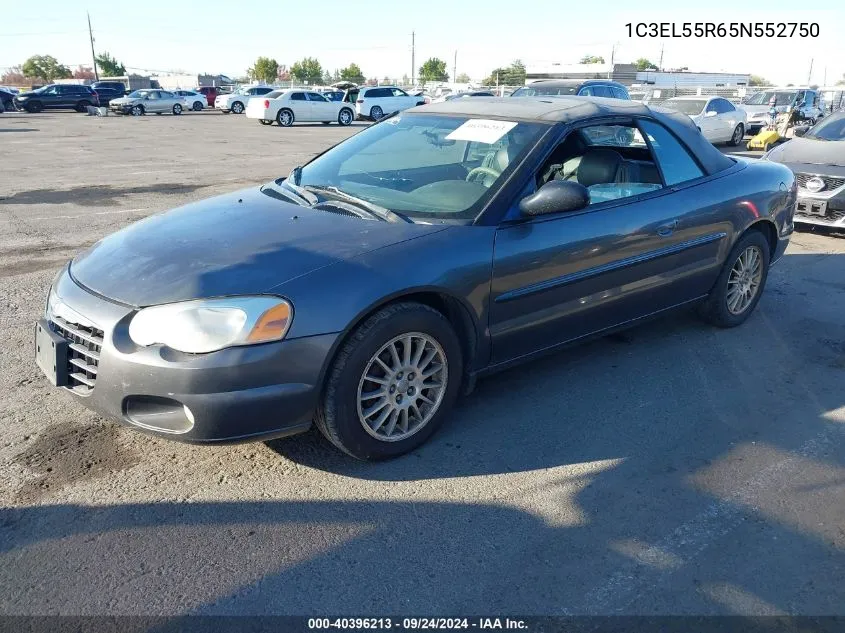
760,109
31,93
808,150
239,243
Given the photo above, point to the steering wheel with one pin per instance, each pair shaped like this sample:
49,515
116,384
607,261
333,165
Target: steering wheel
487,171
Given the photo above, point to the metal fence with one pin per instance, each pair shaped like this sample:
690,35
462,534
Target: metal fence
657,95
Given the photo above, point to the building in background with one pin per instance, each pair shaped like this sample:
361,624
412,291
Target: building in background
189,81
628,75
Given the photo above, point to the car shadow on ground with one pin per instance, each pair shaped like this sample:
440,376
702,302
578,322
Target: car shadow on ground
100,196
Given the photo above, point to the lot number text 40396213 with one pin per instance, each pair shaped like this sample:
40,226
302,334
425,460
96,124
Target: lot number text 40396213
723,29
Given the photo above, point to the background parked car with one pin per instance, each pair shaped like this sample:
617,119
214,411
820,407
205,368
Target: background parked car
757,107
193,100
287,106
57,97
818,160
210,93
143,101
461,95
719,120
375,102
7,100
108,90
332,95
579,87
236,102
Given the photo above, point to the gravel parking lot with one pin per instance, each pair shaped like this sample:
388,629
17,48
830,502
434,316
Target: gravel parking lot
672,469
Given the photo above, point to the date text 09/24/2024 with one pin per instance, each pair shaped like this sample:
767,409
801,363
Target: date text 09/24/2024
722,29
417,623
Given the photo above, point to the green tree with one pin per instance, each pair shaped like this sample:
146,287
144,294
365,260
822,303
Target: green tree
592,59
352,73
841,82
84,72
757,80
463,78
513,75
434,70
13,77
109,66
45,67
643,64
264,69
307,70
327,78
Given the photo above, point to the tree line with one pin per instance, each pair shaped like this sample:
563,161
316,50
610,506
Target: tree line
47,68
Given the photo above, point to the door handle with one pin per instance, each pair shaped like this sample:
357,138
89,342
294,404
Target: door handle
665,230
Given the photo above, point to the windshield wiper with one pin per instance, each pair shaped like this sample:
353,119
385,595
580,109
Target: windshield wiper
379,211
274,190
292,183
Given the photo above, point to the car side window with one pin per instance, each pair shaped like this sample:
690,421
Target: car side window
618,93
167,95
154,94
674,159
611,161
313,96
399,93
586,91
602,91
297,96
726,105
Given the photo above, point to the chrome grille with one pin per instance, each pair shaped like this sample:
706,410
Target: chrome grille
830,183
84,348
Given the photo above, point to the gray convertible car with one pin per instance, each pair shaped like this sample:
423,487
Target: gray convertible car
368,288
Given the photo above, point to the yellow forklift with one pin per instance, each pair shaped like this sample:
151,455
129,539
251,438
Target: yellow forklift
779,128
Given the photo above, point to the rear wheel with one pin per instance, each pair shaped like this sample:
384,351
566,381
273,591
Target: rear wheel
237,107
82,106
392,383
285,117
345,117
376,113
197,106
177,109
741,282
739,132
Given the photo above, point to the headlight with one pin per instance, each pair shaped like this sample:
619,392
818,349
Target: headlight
198,327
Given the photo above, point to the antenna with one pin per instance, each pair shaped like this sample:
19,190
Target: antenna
93,56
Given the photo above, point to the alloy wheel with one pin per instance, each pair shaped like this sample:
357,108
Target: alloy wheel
744,280
402,386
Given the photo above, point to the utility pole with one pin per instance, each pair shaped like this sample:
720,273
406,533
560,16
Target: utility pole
612,53
810,76
824,83
660,65
93,56
455,68
413,83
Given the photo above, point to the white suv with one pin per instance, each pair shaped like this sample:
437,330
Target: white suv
375,102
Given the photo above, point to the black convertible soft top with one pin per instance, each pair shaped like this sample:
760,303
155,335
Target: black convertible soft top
574,109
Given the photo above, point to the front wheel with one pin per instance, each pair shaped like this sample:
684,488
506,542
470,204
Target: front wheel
137,110
237,107
741,282
345,117
739,132
392,383
177,109
34,107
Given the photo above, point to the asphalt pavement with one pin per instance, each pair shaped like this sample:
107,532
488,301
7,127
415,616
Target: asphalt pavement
671,469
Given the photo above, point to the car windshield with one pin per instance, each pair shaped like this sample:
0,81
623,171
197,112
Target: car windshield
830,129
783,97
687,106
546,91
426,167
139,93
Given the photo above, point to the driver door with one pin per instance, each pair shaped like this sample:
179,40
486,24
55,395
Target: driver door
321,108
710,124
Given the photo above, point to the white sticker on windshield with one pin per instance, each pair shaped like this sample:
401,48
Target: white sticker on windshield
481,130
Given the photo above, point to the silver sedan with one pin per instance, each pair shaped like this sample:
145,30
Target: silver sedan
143,101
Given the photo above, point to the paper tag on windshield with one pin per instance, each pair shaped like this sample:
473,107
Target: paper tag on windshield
481,130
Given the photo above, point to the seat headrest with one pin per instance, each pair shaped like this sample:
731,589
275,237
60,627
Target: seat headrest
598,166
503,158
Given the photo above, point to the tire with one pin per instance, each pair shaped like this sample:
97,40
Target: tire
265,122
34,107
339,412
237,107
82,106
345,117
285,117
716,309
177,109
197,106
137,110
376,113
739,133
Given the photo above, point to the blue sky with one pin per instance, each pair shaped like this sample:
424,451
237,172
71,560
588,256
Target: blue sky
226,36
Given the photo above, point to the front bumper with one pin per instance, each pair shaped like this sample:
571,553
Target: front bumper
233,395
821,209
120,108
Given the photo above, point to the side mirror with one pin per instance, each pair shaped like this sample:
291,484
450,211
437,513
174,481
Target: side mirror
711,113
800,130
556,196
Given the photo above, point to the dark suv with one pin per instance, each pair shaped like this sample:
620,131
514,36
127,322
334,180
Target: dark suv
571,87
57,97
108,90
